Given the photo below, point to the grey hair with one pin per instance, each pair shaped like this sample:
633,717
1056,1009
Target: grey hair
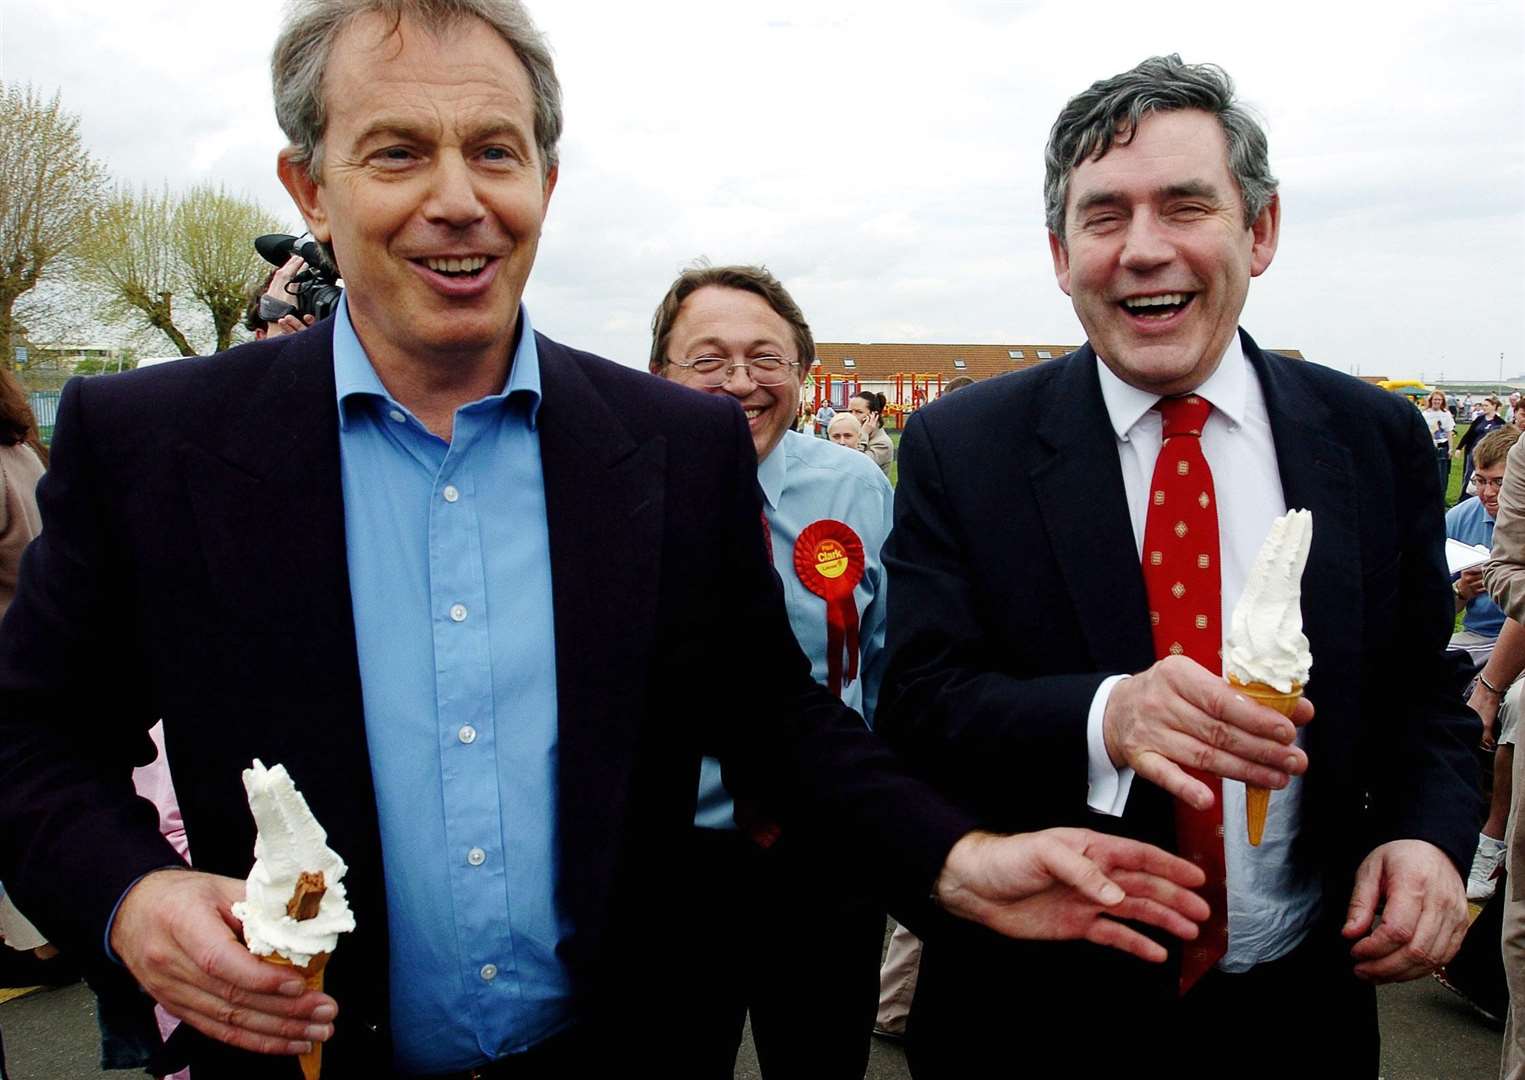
301,55
1111,111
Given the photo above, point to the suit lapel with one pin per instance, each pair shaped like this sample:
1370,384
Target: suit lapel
1078,482
270,504
604,496
1316,474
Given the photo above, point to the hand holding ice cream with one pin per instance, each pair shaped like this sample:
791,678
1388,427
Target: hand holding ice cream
1177,713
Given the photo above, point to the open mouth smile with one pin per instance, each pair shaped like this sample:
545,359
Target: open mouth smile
459,276
1161,307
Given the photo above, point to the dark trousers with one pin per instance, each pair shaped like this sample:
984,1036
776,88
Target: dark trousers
1030,1012
1443,463
778,941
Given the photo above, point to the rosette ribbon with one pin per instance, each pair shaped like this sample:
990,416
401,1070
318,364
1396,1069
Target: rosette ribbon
828,558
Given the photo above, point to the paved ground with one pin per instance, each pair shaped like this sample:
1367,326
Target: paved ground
1427,1034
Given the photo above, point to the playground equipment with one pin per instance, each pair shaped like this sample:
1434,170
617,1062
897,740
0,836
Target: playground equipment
823,381
912,391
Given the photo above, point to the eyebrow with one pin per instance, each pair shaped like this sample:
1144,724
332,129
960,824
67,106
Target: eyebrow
492,128
1190,189
711,341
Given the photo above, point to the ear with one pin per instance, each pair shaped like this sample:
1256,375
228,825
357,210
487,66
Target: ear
306,192
1061,256
1264,234
550,186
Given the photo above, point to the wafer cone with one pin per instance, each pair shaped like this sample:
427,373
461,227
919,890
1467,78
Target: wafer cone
1257,800
312,976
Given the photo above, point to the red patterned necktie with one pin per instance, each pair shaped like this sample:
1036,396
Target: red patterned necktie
1181,576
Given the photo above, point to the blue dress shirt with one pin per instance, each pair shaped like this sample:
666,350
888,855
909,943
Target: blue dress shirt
804,480
450,573
1468,521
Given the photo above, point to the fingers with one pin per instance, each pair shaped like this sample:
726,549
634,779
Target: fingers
1363,900
1178,716
1119,852
1114,935
1162,772
1400,923
245,1020
1071,868
1143,910
283,275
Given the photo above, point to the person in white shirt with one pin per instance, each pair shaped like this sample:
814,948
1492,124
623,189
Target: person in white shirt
1037,669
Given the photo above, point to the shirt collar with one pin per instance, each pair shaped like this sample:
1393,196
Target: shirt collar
772,470
1226,388
355,379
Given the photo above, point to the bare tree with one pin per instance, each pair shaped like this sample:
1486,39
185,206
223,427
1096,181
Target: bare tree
49,189
130,257
214,238
150,248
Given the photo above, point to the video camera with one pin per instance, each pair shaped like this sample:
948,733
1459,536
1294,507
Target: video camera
316,289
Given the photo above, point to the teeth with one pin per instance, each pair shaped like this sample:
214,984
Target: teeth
455,266
1154,301
752,414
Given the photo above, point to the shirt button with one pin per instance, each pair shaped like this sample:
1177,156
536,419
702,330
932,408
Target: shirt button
489,972
451,493
458,612
467,734
476,856
397,415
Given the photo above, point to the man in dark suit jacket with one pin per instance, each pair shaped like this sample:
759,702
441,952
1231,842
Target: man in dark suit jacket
215,536
1018,608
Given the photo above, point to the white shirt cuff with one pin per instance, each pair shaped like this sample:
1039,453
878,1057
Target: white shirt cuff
1108,786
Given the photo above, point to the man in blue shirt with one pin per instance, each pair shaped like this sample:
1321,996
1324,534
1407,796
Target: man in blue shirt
1471,522
461,581
789,938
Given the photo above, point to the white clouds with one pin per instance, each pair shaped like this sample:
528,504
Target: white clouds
884,158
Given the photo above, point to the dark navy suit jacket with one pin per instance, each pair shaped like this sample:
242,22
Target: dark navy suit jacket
1015,589
192,567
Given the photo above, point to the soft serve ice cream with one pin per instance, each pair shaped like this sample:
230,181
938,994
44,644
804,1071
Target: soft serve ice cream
1265,642
294,905
1266,654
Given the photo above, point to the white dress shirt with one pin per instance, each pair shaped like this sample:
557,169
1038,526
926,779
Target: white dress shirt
1271,903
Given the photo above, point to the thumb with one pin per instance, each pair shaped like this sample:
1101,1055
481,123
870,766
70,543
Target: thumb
1363,900
1071,868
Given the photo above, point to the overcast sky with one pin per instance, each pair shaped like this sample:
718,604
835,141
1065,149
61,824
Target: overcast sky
884,158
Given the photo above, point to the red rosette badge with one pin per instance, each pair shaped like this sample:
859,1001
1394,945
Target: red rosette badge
828,558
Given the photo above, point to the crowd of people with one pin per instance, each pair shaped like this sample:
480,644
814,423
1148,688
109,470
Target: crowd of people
633,708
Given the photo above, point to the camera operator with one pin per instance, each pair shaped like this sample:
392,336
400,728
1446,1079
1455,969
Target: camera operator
271,312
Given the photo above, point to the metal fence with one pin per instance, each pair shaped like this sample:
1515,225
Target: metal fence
45,407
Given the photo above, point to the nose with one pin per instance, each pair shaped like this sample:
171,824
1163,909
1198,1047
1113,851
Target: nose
738,381
1146,245
453,197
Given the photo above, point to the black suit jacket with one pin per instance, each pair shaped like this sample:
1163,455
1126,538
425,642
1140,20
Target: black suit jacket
1016,589
193,567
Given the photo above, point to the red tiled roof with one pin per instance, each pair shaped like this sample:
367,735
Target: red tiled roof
881,362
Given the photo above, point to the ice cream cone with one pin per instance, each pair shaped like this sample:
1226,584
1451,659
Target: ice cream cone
312,976
1257,800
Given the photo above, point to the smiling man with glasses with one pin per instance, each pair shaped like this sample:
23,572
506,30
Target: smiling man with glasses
789,937
1471,522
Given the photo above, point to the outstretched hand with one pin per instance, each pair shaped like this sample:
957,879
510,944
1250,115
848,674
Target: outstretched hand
1072,884
176,932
